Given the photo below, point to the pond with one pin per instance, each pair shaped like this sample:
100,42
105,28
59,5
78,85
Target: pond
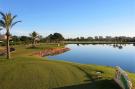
122,55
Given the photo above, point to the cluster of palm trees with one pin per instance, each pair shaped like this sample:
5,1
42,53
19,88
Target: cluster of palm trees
35,37
7,22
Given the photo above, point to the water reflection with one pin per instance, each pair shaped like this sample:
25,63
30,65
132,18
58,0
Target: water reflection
77,44
101,54
117,46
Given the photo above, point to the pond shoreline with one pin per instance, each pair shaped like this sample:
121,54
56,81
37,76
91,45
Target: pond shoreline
53,51
107,55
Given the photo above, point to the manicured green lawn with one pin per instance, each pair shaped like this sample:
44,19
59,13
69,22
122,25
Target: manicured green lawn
26,71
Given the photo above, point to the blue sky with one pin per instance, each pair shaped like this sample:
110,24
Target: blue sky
73,18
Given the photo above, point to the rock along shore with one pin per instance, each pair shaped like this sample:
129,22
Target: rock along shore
53,51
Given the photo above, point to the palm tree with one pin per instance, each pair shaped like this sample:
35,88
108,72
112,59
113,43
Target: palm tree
0,30
34,36
7,22
0,33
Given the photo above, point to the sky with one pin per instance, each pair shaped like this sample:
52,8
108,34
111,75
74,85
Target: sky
72,18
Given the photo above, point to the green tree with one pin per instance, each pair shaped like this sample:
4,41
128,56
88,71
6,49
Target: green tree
7,22
55,38
25,39
15,38
58,37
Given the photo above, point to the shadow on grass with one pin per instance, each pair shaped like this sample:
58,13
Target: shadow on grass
101,84
92,83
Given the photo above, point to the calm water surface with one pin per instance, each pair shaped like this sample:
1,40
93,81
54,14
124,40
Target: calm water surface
108,55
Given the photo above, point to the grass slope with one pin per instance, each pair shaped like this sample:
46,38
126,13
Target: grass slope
25,71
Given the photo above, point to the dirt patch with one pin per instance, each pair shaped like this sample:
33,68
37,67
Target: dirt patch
49,52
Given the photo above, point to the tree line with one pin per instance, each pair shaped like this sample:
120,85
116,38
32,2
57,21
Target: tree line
34,38
106,39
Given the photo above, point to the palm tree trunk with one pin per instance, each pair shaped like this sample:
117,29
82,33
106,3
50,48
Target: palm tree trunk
33,42
8,46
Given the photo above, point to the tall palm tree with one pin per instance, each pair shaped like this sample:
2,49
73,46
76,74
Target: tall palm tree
7,22
0,30
34,36
0,33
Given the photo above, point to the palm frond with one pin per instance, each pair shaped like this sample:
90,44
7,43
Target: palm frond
2,23
15,23
12,18
34,34
3,16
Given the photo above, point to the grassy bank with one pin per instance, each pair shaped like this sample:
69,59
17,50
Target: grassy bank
26,71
